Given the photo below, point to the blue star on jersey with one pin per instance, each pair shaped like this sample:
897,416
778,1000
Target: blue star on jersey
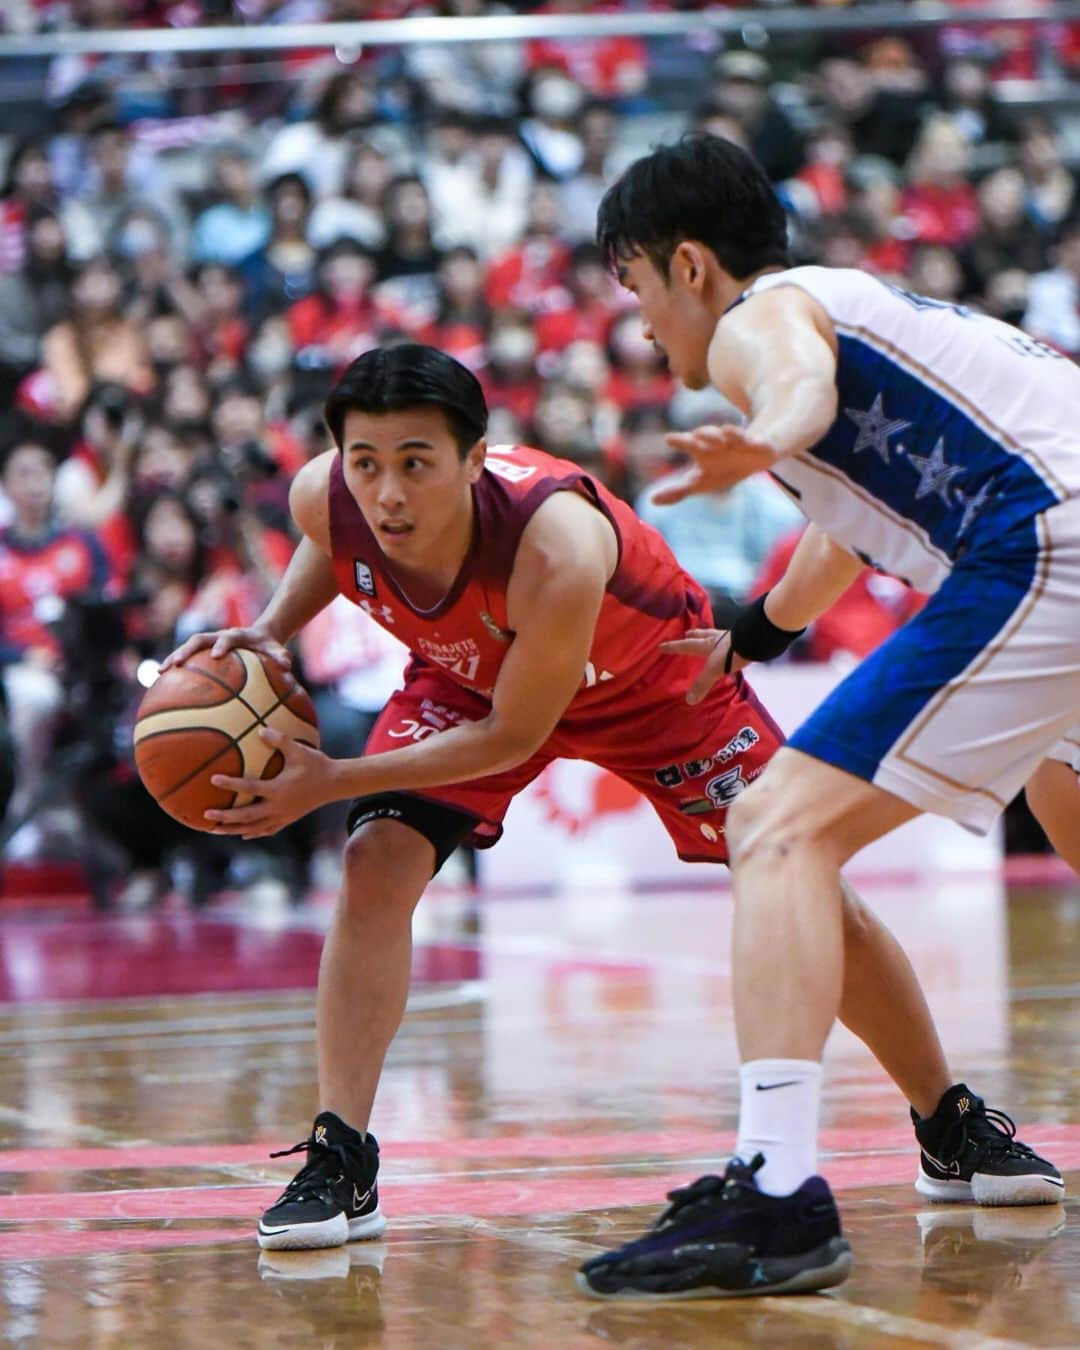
935,473
874,427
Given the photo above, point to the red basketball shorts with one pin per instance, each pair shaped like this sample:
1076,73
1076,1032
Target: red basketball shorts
690,762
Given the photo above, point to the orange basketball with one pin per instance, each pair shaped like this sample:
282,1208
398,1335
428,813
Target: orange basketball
203,718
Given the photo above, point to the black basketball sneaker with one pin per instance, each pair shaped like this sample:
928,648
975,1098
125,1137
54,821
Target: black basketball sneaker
723,1238
970,1153
334,1198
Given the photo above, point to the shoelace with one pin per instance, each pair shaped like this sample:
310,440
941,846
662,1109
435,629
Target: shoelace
736,1176
315,1175
991,1131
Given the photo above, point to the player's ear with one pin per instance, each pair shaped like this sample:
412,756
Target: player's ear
688,265
474,460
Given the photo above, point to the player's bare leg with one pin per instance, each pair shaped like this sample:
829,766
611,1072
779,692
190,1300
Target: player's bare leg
1053,793
883,1003
790,834
366,963
363,986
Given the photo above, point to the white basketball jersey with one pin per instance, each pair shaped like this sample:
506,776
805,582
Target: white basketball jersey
951,427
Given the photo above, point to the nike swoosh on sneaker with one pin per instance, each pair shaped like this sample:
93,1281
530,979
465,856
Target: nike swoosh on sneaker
769,1087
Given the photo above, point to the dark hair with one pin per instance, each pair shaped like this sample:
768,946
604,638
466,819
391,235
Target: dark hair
23,149
408,376
144,508
291,180
700,188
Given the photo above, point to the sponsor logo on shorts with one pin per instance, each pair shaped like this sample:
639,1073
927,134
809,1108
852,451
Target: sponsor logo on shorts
365,580
725,787
742,740
431,719
698,768
696,806
670,776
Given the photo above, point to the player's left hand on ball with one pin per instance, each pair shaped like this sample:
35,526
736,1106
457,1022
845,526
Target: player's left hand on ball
298,788
713,646
720,458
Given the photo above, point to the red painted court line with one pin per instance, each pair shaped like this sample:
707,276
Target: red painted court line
672,1143
480,1197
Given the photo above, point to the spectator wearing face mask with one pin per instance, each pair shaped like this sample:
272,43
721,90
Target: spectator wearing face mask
548,129
609,67
510,378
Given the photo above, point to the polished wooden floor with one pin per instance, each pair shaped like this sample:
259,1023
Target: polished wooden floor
563,1063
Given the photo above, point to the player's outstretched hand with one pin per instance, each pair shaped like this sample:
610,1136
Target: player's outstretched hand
224,640
713,646
720,458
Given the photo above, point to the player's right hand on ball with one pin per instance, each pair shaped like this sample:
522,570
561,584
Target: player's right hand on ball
713,646
224,640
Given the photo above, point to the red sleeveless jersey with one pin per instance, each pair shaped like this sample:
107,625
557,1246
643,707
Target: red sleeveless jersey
648,599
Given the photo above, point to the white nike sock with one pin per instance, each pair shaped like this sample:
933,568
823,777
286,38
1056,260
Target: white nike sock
778,1116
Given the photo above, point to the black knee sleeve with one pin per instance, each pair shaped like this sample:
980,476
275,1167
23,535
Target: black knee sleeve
444,827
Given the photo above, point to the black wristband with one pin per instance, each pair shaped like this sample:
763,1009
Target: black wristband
755,637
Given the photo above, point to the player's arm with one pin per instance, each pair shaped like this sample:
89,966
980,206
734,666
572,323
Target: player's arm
819,573
564,560
306,587
563,563
774,357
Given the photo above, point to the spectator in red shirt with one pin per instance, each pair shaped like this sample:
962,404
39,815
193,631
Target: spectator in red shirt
339,320
510,379
608,67
462,319
828,156
533,275
221,327
593,303
940,205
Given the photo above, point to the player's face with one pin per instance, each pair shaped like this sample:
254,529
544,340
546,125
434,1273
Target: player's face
410,482
674,317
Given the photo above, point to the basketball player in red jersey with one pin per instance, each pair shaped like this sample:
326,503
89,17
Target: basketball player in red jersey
535,604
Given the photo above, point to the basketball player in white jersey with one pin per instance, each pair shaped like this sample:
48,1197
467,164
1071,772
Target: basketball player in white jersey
940,447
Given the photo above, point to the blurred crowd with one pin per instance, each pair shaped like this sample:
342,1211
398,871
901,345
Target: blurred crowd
192,247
